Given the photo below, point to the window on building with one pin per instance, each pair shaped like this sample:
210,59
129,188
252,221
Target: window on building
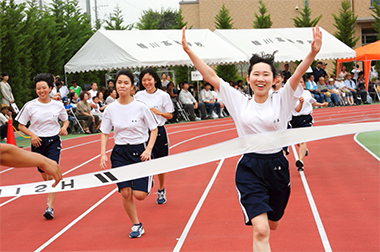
368,36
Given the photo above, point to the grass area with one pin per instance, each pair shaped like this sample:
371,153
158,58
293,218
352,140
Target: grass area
371,140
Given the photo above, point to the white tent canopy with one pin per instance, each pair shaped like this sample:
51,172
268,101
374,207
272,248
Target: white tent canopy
291,43
107,50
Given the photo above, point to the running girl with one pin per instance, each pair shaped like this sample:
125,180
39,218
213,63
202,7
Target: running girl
161,105
131,120
44,129
262,179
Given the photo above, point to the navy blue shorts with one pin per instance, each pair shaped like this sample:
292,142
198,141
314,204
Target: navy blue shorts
263,185
161,146
301,121
129,154
50,148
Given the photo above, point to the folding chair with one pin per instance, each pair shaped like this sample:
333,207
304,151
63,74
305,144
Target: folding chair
182,111
76,119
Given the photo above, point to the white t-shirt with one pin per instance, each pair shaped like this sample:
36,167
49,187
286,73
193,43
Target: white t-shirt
43,117
131,122
255,118
159,100
307,106
339,84
92,93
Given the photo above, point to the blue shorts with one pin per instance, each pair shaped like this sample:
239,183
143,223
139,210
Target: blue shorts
129,154
263,185
301,121
50,148
161,146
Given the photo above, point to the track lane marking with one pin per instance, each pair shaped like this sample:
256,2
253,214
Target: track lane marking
190,222
314,210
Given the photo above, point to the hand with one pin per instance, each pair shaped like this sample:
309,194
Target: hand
325,104
301,99
317,40
195,105
35,140
156,111
103,161
63,131
50,167
93,118
185,46
146,155
10,114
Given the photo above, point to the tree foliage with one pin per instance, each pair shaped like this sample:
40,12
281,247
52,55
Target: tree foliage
376,16
262,21
305,19
223,20
345,24
35,41
116,22
157,20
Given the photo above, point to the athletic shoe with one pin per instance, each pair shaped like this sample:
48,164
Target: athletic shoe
49,213
137,231
307,152
299,165
161,197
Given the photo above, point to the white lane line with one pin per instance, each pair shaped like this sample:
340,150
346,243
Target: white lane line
365,148
317,218
186,230
99,202
7,170
8,201
75,221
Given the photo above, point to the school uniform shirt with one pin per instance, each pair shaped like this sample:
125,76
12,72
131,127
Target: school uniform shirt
43,117
255,118
159,100
92,93
307,106
6,92
131,122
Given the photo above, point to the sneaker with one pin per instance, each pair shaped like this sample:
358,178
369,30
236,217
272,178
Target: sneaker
299,165
137,231
161,197
49,213
307,152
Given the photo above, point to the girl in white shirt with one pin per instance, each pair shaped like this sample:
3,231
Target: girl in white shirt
161,105
262,179
131,120
44,130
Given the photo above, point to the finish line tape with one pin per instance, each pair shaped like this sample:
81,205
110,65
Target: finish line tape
231,148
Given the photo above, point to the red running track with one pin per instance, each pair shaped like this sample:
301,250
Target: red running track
343,178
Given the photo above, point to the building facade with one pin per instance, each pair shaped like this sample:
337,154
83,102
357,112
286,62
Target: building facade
201,14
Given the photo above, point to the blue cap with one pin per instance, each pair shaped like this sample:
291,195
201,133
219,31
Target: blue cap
64,99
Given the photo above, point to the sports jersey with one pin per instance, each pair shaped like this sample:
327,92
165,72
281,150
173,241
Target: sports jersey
131,122
251,117
307,107
159,100
43,117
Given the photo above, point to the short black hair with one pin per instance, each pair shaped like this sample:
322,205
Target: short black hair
126,72
4,74
47,77
264,58
154,74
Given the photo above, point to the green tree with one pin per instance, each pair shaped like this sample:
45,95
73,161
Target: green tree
223,20
116,22
262,21
15,51
345,24
376,16
305,19
157,20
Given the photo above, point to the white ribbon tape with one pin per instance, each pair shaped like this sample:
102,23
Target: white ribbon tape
183,160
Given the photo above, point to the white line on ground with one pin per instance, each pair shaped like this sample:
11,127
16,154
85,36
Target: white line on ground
317,218
365,148
75,221
186,230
